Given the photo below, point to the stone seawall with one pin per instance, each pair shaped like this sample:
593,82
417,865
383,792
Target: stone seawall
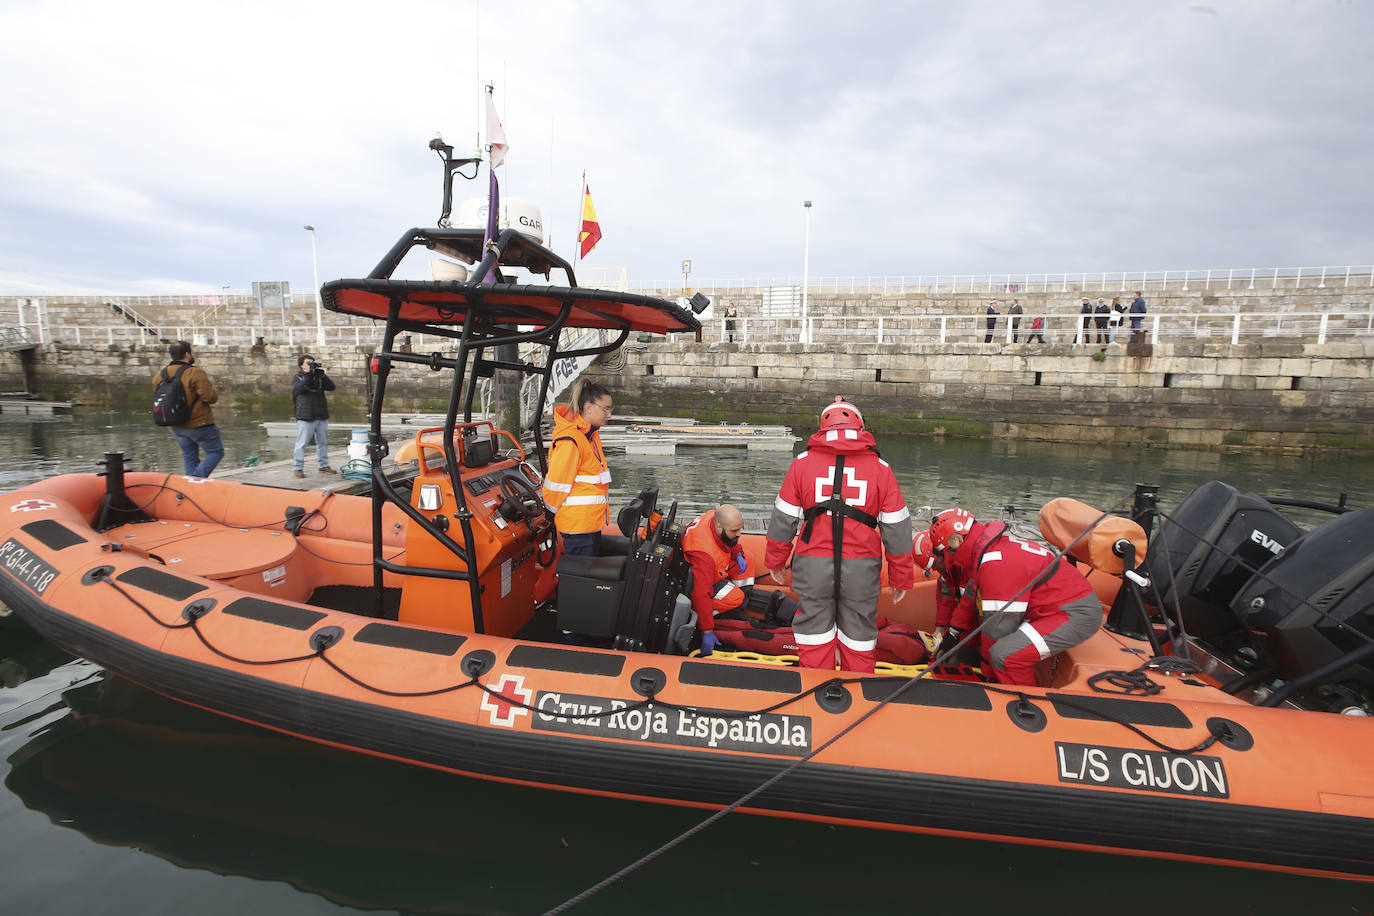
248,378
1200,395
1291,393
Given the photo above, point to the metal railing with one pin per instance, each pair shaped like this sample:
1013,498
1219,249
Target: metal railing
929,327
1002,283
228,335
1352,275
15,338
938,327
135,318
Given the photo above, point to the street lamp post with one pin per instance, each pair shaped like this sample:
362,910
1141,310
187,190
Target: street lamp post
315,266
806,269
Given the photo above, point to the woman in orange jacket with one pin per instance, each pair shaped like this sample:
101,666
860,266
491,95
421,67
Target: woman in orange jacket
578,485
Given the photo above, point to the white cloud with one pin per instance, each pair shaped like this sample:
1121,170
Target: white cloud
186,144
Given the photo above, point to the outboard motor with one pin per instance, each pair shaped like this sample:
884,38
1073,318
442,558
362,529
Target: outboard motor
1310,606
1185,566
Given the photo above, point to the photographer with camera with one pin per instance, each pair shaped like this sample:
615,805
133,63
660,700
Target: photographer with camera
312,413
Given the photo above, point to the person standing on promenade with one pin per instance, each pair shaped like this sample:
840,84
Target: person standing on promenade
1114,325
312,413
730,316
1037,331
199,431
1087,312
1137,316
1102,315
992,321
846,498
1015,313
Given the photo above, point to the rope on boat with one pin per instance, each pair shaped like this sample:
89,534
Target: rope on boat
943,656
907,685
284,523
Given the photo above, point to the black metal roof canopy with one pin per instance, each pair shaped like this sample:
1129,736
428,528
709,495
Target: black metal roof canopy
449,303
480,314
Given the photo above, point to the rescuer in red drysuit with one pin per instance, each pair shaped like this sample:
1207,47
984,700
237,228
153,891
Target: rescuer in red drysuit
1024,625
851,511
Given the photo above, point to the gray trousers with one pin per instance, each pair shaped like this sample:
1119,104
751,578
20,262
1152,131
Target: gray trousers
855,615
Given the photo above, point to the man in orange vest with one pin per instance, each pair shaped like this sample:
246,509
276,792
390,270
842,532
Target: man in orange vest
721,570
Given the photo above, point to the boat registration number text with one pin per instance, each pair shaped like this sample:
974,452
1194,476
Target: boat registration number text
1129,768
25,567
609,717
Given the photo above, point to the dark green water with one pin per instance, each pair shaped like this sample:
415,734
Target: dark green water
117,801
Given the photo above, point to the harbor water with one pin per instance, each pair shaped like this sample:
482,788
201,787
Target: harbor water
116,800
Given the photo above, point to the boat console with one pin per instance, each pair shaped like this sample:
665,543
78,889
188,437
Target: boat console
507,529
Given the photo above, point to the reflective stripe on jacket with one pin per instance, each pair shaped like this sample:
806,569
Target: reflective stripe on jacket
578,485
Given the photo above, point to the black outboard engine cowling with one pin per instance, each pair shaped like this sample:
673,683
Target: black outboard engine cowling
1185,567
1306,602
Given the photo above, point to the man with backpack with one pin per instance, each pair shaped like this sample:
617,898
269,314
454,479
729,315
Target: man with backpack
182,395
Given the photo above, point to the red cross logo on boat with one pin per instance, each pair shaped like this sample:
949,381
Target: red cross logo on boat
500,702
32,505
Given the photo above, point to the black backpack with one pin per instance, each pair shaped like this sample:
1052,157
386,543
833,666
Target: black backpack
170,404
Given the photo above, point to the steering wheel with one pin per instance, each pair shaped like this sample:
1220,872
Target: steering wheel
518,489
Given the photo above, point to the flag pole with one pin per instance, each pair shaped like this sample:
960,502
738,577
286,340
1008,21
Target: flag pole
581,202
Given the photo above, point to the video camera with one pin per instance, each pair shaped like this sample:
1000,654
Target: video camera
314,374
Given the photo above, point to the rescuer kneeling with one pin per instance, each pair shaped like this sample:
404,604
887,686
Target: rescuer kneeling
722,573
1035,604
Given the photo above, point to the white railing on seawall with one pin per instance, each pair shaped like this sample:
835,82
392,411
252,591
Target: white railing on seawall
1095,281
1350,275
933,327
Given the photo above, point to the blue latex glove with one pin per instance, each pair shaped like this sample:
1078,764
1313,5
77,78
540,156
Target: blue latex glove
741,562
709,643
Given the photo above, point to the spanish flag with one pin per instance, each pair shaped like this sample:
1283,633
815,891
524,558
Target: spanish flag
590,232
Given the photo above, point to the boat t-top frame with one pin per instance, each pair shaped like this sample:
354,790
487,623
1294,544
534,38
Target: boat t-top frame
485,312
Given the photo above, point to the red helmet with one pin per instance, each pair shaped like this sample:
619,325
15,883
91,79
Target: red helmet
921,553
841,415
947,523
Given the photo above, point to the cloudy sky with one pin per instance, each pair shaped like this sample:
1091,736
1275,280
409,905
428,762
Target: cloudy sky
179,147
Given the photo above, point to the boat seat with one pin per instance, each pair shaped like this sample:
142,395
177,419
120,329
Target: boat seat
615,545
206,548
632,520
589,593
